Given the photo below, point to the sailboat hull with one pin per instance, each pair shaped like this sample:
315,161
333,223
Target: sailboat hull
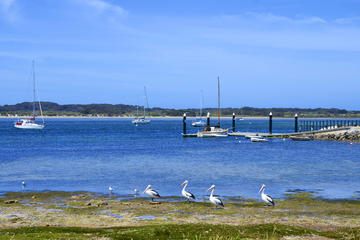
29,126
140,121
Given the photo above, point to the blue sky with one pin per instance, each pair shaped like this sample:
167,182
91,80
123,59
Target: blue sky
293,53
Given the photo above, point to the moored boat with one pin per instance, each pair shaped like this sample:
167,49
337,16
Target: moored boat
258,139
300,138
142,120
30,123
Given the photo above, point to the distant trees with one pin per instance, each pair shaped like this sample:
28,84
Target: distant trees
54,109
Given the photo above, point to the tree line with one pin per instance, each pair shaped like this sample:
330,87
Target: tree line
108,110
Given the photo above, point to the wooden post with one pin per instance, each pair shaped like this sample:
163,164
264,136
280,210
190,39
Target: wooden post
184,124
296,122
270,122
233,122
208,119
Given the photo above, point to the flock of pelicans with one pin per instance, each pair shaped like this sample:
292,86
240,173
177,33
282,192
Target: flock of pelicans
213,199
189,196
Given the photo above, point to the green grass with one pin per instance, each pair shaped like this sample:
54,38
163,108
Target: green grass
172,231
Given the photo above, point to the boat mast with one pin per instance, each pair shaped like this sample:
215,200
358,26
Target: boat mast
34,86
218,102
146,101
201,104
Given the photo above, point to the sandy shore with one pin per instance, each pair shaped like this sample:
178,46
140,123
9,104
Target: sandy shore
84,209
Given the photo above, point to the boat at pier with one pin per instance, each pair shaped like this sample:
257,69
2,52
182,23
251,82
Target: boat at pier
30,123
214,131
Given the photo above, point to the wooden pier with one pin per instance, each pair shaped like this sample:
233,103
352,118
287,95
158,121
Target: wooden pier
306,127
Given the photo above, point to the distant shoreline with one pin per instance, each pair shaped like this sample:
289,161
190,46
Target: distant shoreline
169,117
166,117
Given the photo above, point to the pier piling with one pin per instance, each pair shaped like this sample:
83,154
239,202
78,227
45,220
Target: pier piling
184,124
296,122
270,122
208,120
233,122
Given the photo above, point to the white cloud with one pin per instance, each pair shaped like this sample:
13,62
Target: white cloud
269,17
8,11
101,7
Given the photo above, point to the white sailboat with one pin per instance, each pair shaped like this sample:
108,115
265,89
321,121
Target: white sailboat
200,122
214,131
142,120
29,123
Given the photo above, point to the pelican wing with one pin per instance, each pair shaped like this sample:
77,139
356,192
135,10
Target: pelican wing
219,202
270,200
154,193
190,195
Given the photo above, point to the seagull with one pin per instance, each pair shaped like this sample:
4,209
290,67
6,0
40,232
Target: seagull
151,193
266,198
185,193
111,189
23,183
215,200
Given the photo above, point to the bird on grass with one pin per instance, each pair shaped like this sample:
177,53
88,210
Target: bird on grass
265,197
151,193
215,200
186,194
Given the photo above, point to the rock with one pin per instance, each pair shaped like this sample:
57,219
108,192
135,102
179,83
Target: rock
155,203
11,201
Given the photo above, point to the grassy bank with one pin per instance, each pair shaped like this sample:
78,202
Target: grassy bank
176,231
84,215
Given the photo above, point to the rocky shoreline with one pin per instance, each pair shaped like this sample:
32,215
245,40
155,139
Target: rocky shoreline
348,135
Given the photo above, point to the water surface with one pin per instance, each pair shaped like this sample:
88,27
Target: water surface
92,154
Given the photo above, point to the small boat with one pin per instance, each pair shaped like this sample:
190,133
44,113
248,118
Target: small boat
200,122
258,139
29,123
251,136
300,138
142,120
241,119
212,132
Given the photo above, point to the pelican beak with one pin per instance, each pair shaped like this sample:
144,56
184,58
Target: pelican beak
209,189
262,187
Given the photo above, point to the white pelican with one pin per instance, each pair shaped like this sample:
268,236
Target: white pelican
185,193
215,200
23,184
151,193
111,190
266,198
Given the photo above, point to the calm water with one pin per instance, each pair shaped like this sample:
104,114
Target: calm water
92,154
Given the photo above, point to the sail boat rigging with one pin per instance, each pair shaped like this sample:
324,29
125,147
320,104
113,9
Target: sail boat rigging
142,120
200,122
214,131
29,123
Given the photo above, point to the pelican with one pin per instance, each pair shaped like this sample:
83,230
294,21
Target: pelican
111,190
266,198
185,193
23,184
215,200
151,193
